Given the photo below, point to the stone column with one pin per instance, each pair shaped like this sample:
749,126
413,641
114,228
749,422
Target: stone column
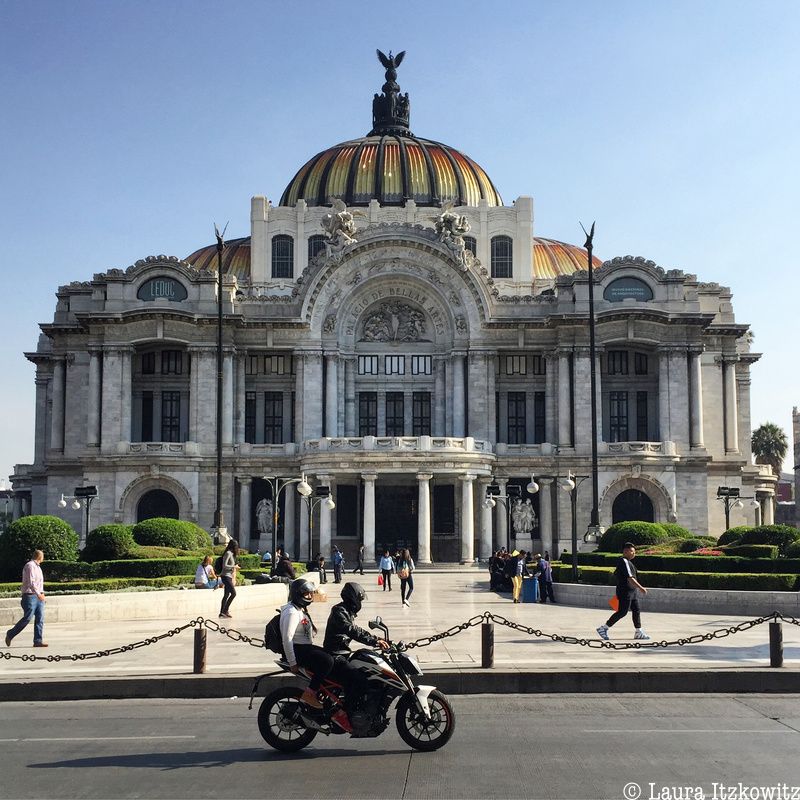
458,395
439,398
245,522
502,515
582,400
467,523
769,509
550,405
546,513
126,394
299,380
485,548
289,494
305,542
564,402
111,388
57,413
93,401
664,433
491,396
731,413
369,516
241,397
227,399
324,519
696,399
312,396
40,443
679,419
331,396
478,400
424,518
350,396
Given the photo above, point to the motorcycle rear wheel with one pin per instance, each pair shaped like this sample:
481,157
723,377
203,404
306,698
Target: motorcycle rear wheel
421,732
279,721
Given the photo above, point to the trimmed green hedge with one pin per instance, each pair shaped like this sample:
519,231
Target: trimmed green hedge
678,531
782,536
635,532
604,576
695,543
54,537
108,542
733,534
165,532
752,550
689,563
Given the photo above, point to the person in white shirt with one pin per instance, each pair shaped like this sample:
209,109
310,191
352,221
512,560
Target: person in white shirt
205,577
387,568
32,601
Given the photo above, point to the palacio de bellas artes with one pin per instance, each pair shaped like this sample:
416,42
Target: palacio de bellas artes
396,334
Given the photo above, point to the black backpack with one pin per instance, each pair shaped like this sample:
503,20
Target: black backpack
218,565
272,635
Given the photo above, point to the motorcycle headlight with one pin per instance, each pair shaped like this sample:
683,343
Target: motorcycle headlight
410,664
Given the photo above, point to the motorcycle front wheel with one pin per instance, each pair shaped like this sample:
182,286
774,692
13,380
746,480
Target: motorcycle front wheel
279,721
422,732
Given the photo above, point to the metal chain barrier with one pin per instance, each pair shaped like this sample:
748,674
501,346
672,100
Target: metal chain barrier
425,641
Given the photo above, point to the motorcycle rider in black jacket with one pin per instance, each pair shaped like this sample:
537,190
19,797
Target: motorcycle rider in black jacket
339,632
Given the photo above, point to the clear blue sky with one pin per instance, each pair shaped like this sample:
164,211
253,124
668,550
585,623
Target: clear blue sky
129,127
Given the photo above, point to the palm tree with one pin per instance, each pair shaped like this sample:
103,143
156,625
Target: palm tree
769,445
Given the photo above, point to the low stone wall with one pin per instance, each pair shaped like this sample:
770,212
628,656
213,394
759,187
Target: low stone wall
688,601
167,603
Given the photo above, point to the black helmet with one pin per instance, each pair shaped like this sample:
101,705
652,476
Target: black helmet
296,591
353,595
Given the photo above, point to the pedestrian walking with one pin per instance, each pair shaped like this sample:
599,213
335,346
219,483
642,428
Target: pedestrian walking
387,568
228,571
360,561
544,572
627,587
405,571
323,574
518,561
32,601
338,563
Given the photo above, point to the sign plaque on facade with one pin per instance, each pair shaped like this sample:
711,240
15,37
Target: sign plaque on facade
162,287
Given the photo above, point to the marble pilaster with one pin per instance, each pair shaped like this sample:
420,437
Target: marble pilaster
485,546
241,396
564,401
439,398
459,399
501,510
546,513
245,522
93,401
227,399
731,414
57,412
369,516
696,393
331,396
350,396
467,519
424,518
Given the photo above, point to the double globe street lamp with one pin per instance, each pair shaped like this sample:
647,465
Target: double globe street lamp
321,496
86,494
731,497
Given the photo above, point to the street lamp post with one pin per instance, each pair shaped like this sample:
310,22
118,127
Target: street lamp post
732,498
82,494
219,519
277,485
493,494
321,496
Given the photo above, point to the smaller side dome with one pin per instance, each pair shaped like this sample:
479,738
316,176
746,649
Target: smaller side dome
552,258
235,258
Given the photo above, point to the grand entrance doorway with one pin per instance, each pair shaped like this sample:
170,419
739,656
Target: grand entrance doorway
395,518
157,503
632,505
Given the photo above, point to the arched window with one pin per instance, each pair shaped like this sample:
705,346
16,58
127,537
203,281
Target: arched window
157,503
502,256
632,505
316,244
471,243
282,256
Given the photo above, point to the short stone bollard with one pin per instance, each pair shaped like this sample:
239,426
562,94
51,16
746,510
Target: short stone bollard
775,644
199,651
487,645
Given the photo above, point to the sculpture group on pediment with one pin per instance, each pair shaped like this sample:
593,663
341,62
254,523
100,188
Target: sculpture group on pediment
340,228
394,322
451,228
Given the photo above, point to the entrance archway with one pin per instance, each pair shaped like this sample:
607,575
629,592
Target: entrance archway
632,505
157,503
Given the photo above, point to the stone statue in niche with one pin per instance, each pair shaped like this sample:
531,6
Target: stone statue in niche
451,228
522,517
340,228
264,517
394,322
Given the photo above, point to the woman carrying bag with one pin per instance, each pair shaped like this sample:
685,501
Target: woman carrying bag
405,571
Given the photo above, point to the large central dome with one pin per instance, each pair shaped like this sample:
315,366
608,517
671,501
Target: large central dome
391,164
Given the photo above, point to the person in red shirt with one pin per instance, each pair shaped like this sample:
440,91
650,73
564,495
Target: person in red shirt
32,601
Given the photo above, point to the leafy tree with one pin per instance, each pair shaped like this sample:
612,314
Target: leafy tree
769,445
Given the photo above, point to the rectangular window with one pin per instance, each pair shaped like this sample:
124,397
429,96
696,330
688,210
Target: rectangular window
421,365
250,417
253,365
471,243
394,413
171,363
640,363
170,416
642,434
516,365
444,509
394,365
421,414
275,365
367,413
618,416
148,363
539,365
516,417
147,415
617,362
347,510
368,365
273,417
538,418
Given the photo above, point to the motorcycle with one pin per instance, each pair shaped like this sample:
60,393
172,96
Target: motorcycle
423,715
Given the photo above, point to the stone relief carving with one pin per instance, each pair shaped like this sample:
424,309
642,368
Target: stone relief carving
394,322
340,228
451,228
329,326
355,280
523,518
461,324
454,299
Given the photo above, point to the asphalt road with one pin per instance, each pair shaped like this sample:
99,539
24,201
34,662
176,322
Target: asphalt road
531,746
